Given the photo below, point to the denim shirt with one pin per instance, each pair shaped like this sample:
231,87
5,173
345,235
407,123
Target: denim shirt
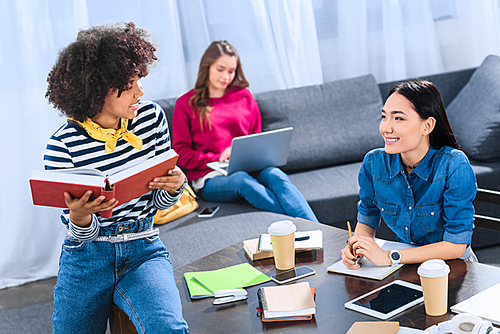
433,203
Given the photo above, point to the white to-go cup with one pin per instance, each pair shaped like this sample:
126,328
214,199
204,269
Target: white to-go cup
434,279
283,241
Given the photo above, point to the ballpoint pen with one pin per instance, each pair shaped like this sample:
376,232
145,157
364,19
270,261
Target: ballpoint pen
203,285
306,237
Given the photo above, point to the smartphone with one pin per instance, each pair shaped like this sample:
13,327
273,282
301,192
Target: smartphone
208,211
293,274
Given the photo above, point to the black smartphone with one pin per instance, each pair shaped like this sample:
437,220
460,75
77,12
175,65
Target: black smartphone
208,211
293,274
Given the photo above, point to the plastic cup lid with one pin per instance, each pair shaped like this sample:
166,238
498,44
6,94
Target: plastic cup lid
433,268
282,227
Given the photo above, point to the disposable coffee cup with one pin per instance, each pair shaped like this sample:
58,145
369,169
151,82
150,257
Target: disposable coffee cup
434,280
283,241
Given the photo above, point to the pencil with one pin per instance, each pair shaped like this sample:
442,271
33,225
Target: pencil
350,235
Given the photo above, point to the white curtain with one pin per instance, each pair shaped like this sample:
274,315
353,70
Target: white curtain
282,43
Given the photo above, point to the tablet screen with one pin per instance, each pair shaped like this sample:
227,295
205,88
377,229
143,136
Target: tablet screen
389,299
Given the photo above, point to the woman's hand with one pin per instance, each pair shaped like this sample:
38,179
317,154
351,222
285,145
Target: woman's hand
173,181
225,155
81,209
366,246
348,258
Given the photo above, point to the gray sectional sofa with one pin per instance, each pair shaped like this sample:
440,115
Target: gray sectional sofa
336,124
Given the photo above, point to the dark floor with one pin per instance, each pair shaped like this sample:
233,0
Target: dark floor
28,308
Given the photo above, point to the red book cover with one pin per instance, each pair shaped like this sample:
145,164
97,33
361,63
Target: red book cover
48,186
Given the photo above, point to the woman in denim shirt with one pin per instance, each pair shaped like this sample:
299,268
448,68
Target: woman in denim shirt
420,184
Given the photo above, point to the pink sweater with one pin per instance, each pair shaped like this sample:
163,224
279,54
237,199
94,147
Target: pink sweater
234,114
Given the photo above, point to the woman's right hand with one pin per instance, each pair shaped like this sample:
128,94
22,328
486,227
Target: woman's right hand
81,209
225,155
348,258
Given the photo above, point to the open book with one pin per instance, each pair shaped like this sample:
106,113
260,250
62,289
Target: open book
48,186
287,302
368,269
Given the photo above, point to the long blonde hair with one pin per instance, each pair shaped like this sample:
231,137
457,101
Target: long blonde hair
200,99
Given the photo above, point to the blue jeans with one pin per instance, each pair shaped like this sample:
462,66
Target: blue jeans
270,190
136,275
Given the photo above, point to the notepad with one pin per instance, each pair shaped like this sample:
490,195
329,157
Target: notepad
234,277
374,327
315,241
287,302
368,269
484,305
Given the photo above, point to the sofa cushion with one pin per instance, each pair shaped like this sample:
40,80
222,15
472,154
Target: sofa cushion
475,113
332,192
168,107
334,123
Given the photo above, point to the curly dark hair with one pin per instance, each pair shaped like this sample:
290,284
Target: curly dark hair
102,58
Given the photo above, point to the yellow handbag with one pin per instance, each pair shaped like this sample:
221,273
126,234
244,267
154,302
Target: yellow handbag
186,204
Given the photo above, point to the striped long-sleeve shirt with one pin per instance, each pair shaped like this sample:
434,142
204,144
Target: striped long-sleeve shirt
70,146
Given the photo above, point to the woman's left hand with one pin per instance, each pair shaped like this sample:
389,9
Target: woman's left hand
172,182
368,248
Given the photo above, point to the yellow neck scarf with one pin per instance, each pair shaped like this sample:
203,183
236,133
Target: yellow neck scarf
110,136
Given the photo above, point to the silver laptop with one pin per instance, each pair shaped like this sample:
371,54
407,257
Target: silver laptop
256,152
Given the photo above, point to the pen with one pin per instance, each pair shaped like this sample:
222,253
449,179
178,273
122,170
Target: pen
203,285
306,237
350,236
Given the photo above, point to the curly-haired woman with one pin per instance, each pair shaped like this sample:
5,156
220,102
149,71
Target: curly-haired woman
95,83
205,121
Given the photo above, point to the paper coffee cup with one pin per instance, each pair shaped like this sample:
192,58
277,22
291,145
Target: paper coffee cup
434,280
283,241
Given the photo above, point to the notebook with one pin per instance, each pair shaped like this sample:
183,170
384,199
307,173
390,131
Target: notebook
303,240
287,302
483,304
374,327
368,269
251,248
256,152
202,284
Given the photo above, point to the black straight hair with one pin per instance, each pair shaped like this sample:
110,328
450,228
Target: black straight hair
427,102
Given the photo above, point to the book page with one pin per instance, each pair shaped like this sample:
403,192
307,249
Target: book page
121,175
87,176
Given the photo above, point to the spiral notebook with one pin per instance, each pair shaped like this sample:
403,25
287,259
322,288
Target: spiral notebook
287,302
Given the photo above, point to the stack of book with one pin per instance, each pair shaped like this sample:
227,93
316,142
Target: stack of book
261,248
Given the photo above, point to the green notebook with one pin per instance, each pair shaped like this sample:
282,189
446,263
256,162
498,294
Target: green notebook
234,277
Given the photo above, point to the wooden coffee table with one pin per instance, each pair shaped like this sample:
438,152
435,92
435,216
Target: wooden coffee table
332,291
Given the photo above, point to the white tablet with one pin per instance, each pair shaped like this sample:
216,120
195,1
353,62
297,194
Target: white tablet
388,300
